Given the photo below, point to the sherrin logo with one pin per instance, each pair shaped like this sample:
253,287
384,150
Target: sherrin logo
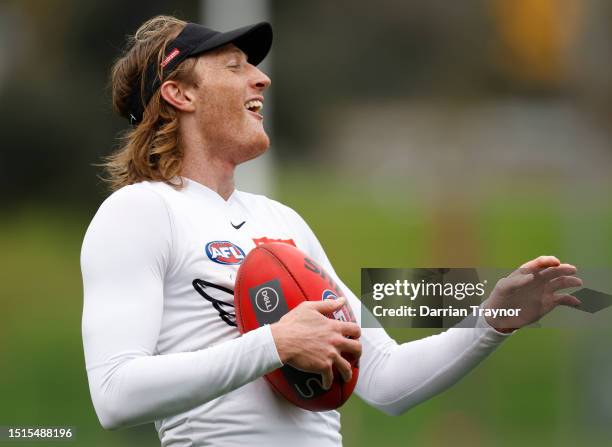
224,252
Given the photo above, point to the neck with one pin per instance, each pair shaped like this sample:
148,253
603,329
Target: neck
202,164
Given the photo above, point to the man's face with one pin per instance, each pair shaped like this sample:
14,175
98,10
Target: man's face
229,98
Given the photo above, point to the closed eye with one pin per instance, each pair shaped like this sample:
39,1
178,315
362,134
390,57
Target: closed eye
236,59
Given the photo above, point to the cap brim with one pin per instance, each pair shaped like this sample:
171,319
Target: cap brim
254,40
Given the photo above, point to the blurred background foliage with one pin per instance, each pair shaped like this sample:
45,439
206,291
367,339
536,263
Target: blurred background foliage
408,134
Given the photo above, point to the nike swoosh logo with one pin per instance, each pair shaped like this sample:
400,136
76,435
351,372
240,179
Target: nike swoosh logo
237,227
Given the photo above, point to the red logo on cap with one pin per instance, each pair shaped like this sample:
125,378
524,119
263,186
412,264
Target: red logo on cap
175,52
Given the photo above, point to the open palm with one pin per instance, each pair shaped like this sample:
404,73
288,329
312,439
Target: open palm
532,289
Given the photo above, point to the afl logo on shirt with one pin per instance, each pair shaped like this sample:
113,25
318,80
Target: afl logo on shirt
329,295
224,252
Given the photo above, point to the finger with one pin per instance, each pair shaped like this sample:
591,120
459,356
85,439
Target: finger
327,377
344,368
327,306
349,329
539,263
563,282
560,270
567,300
350,346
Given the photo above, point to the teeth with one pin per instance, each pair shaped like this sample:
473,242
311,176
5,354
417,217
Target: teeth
254,105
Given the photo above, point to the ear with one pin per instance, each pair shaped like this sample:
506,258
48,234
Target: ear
178,95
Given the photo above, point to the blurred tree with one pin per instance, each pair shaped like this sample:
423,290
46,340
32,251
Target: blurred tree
57,120
535,39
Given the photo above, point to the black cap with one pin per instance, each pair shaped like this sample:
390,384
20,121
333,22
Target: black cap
254,40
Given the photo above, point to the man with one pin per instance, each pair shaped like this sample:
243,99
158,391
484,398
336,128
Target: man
159,333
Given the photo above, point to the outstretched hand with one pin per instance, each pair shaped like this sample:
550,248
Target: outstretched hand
531,288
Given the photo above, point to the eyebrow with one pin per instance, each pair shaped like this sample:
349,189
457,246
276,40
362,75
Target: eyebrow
237,51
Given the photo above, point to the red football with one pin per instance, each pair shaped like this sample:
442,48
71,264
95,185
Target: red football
273,279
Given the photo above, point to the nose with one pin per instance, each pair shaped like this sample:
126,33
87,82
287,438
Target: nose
260,80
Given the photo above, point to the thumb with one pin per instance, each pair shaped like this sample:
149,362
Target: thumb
327,306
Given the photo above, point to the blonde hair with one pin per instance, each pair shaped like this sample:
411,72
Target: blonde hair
151,150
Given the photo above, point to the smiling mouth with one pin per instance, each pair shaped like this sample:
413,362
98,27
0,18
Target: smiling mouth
254,105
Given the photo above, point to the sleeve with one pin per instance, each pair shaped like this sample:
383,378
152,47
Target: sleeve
395,377
125,254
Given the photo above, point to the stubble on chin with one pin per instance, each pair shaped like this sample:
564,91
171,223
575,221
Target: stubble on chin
240,139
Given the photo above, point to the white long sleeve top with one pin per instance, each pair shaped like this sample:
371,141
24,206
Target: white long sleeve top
159,335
